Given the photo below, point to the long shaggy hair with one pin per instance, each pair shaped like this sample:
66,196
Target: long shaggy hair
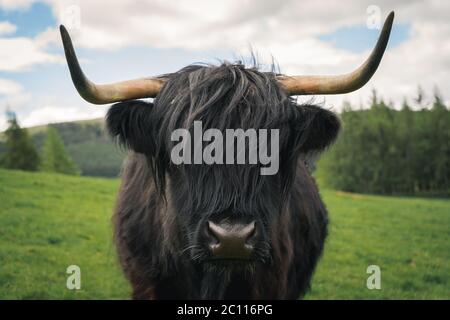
161,206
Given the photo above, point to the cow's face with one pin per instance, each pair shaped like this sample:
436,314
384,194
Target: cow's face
224,211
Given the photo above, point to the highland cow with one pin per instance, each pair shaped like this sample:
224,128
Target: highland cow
220,231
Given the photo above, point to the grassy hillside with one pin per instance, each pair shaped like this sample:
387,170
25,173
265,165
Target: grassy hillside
49,222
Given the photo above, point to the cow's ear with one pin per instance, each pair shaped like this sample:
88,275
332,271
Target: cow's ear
315,128
130,123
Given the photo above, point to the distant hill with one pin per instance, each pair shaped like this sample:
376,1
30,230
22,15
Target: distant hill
88,144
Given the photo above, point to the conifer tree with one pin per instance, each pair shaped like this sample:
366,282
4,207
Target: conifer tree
20,151
55,157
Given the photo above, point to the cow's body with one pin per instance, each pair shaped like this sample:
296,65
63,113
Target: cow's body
162,209
158,271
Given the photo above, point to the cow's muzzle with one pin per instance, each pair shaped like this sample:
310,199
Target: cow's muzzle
231,241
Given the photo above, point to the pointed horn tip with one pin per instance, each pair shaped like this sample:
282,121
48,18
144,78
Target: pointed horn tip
62,29
391,14
387,27
389,20
312,83
64,34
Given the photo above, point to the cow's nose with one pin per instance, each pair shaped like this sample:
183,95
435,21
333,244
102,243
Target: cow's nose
231,241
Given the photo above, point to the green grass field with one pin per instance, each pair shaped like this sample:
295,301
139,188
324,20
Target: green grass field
49,221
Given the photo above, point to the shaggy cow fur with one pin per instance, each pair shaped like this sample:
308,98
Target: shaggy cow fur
162,207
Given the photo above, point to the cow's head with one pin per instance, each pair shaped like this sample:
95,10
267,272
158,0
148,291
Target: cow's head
224,211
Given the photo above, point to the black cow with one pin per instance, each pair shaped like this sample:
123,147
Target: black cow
220,231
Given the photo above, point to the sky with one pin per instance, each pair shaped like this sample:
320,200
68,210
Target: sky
120,40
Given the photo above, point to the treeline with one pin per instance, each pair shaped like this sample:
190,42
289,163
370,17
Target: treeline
21,153
380,150
387,151
87,143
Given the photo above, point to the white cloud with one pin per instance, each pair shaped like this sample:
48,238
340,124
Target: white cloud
21,53
15,4
9,87
197,25
7,28
422,60
48,37
289,30
3,122
52,114
14,99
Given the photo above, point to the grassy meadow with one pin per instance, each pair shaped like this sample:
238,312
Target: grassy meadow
51,221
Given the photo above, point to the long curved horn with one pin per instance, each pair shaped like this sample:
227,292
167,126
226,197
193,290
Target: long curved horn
106,93
304,85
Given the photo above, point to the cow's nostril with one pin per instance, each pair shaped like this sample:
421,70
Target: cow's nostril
231,241
211,236
251,235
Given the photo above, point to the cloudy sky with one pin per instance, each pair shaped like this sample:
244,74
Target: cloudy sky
117,40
